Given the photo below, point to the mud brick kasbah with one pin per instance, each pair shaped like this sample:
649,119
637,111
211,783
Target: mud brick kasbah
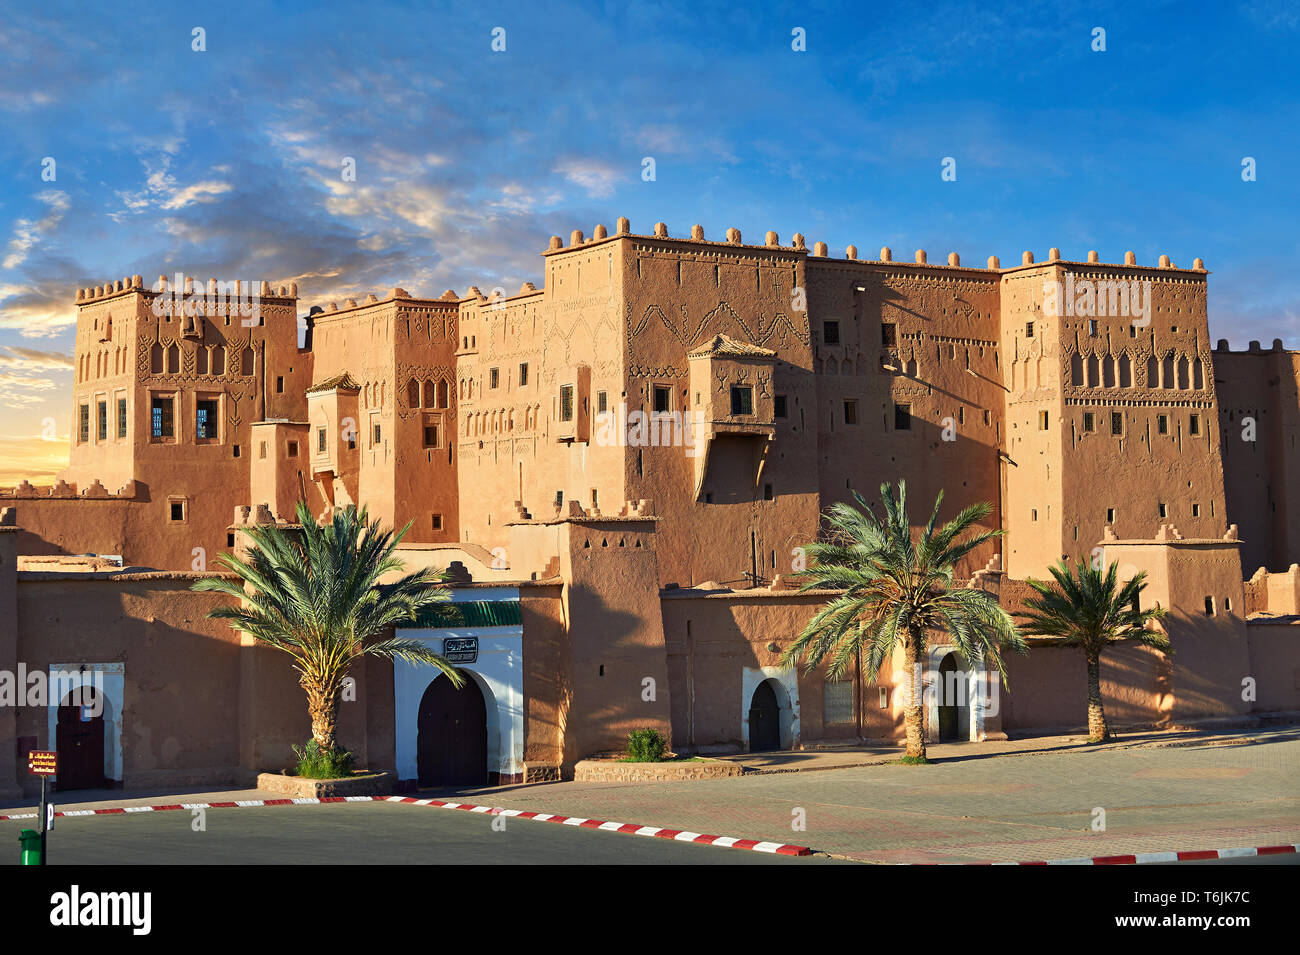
612,579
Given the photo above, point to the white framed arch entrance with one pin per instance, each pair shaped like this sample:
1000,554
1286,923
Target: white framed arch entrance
498,673
785,684
110,678
972,695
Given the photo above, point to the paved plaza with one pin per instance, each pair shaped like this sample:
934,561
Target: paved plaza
1229,791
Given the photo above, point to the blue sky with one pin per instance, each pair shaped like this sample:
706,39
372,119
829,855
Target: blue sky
227,162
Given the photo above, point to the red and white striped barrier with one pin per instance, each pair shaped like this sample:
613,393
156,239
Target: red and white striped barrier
677,835
631,828
1147,858
239,804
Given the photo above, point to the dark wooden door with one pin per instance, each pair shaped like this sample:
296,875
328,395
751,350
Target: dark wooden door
80,744
451,746
764,720
948,728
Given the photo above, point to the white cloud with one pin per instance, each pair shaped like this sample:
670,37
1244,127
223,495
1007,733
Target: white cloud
28,233
596,177
199,192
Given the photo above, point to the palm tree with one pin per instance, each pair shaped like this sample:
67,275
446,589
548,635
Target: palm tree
897,588
1088,609
314,593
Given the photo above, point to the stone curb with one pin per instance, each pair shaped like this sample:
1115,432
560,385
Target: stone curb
1149,858
239,804
630,828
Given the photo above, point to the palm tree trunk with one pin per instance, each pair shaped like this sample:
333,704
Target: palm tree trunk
1098,731
323,708
913,712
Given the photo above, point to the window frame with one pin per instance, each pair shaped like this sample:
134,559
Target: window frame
746,403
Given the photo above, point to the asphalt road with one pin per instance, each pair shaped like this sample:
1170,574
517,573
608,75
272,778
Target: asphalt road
359,834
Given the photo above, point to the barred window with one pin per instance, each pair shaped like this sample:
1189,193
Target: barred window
838,701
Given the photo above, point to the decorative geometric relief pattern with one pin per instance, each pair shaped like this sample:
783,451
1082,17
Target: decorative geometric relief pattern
688,332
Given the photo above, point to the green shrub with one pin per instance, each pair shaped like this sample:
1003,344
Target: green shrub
646,746
316,763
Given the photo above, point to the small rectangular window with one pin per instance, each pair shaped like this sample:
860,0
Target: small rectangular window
1163,510
1162,424
205,419
234,450
1029,329
566,402
523,374
837,702
377,436
768,492
888,334
430,435
742,400
602,402
1196,510
261,450
161,412
1110,515
320,440
1042,420
176,511
437,522
1092,326
831,333
279,384
850,412
1089,422
902,417
293,449
121,417
1209,606
778,406
494,377
83,423
101,421
1194,424
663,399
1117,422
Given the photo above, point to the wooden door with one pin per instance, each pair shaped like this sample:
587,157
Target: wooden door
80,743
948,728
451,746
764,720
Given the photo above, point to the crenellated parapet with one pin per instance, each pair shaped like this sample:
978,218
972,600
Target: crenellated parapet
63,491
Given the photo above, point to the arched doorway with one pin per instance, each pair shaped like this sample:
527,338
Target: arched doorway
451,743
79,740
954,711
764,719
